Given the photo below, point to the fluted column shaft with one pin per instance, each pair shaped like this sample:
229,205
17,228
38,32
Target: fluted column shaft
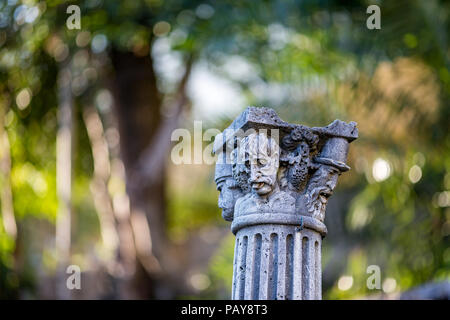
277,262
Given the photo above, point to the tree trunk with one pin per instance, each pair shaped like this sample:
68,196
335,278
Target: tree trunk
137,107
64,178
6,200
145,146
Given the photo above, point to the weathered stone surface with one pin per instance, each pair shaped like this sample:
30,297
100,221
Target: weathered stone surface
275,179
274,261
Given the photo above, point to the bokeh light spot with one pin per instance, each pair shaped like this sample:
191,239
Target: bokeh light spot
83,38
161,28
204,11
23,98
381,169
200,281
345,283
389,285
99,43
415,173
443,199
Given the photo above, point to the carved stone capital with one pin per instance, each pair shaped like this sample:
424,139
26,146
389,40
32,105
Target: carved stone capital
271,168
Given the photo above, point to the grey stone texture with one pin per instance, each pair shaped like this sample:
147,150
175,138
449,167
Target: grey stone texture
275,179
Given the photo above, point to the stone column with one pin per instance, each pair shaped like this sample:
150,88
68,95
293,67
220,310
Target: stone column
277,262
274,189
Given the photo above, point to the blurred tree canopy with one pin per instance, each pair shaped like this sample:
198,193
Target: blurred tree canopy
152,229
